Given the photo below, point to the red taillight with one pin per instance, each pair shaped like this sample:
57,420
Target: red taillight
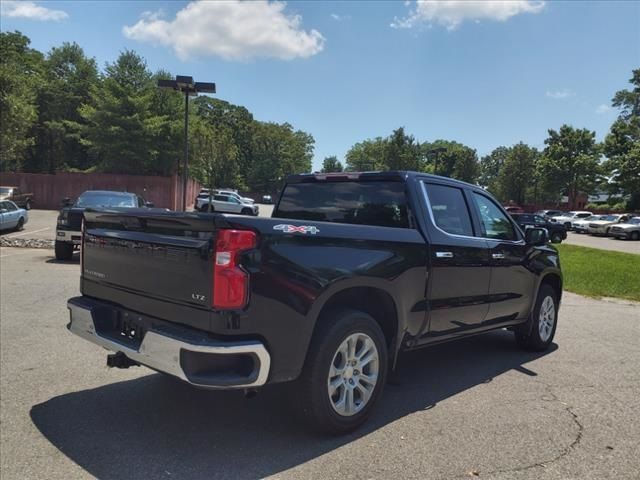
230,281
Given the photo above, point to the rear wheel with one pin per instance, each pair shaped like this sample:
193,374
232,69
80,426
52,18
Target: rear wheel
556,237
634,236
344,373
537,334
205,208
64,251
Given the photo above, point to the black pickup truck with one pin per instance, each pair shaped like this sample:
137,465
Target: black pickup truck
351,270
556,231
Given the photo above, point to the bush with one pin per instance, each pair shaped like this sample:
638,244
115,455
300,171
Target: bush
619,207
592,206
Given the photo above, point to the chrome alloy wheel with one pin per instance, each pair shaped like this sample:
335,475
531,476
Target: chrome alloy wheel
546,319
353,374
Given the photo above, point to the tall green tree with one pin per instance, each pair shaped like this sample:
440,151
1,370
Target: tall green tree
451,159
214,156
331,164
517,175
402,152
278,151
570,164
368,155
490,166
68,79
622,144
21,69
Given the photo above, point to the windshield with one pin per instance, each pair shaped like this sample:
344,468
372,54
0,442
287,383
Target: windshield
5,190
634,221
105,200
609,218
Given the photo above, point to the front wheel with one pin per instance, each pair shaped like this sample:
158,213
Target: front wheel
344,373
537,334
634,235
246,211
63,250
20,225
556,237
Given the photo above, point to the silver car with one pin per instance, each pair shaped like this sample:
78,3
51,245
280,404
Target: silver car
11,216
629,230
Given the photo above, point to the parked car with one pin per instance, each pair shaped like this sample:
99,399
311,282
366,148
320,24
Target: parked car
69,222
225,203
204,193
267,200
11,216
568,218
582,225
628,230
514,209
549,213
602,226
350,271
21,199
556,231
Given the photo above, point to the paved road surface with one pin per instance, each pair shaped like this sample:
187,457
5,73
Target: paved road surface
604,243
479,405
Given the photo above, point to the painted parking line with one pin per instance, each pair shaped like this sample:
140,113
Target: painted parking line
13,235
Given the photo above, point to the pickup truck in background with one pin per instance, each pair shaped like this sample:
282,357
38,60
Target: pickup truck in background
556,231
351,270
22,200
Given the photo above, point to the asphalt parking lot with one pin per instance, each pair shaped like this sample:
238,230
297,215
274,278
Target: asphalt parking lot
476,408
604,243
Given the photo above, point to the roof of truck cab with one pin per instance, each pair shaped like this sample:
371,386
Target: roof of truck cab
392,175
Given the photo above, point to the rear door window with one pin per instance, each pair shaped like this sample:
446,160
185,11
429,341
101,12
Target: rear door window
382,203
449,209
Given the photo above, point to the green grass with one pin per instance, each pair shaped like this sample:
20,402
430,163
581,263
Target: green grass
600,273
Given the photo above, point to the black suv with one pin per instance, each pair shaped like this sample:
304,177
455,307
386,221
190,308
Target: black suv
69,223
557,231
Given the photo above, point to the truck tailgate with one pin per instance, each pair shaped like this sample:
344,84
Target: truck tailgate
151,254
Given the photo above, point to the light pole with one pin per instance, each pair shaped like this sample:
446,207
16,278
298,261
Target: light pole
185,84
437,151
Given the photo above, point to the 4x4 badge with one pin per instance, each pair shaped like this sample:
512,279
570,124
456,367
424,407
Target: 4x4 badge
295,229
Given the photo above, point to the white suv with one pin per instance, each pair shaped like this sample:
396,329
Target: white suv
225,203
570,217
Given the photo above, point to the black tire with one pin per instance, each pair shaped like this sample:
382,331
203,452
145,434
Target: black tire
567,225
528,335
27,206
20,225
64,250
634,236
314,402
556,237
246,211
205,209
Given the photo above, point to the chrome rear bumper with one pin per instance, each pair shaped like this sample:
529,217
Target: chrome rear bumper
195,363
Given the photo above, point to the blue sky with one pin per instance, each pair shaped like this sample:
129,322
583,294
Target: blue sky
483,74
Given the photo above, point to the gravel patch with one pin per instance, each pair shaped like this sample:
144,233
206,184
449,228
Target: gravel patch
26,242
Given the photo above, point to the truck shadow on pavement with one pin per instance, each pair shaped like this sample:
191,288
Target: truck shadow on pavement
155,426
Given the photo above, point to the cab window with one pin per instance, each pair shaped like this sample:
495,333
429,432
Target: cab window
449,209
495,223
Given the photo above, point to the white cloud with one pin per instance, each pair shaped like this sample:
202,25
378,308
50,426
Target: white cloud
233,30
451,13
340,18
30,10
559,94
603,108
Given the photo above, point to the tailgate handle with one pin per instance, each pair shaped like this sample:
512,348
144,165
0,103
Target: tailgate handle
444,254
497,256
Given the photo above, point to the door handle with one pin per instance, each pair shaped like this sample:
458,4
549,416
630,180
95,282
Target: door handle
497,256
444,255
